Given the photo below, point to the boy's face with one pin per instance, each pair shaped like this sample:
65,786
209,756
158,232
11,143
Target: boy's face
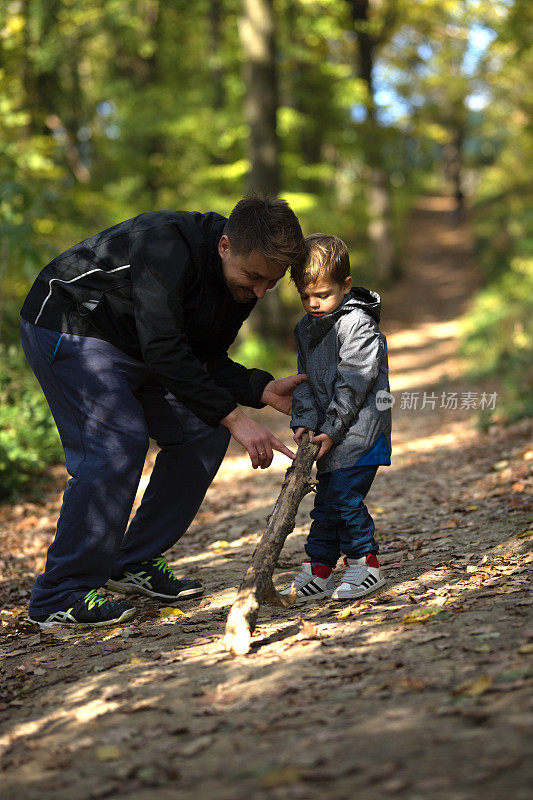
248,277
324,296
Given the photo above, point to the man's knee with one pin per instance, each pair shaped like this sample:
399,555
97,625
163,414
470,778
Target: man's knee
124,460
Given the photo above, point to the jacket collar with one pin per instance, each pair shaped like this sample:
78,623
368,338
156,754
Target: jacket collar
214,227
357,298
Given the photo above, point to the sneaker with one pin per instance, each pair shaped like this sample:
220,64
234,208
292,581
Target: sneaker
362,577
314,582
154,578
91,611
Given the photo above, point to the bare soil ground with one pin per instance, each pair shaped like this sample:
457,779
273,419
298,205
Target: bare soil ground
421,692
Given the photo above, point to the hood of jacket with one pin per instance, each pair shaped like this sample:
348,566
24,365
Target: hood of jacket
358,297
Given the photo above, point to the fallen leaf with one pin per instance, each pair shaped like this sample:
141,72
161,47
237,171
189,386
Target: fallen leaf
19,652
526,649
170,612
358,607
525,535
280,777
308,630
511,675
136,660
196,746
111,647
344,613
108,752
422,614
499,465
415,684
475,687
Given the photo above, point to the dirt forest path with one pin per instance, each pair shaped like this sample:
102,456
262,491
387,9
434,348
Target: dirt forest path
421,692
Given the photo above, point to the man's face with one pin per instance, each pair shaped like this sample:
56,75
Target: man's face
248,277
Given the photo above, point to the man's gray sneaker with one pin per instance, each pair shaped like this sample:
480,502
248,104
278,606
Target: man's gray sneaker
154,578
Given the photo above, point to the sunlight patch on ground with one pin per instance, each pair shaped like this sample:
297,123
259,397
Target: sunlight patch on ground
457,435
439,339
234,467
423,334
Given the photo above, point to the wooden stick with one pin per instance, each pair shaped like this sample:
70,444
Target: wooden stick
257,586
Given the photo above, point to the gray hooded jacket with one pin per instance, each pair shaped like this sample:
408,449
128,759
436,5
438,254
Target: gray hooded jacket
345,357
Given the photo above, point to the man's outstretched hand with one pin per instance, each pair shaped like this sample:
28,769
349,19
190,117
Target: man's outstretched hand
257,439
278,394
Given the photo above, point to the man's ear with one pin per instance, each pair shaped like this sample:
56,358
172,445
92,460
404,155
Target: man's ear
223,245
347,284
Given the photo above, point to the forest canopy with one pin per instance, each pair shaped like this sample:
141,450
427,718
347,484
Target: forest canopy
349,109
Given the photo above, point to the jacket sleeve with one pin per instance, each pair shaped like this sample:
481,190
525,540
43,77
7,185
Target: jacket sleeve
245,385
304,413
157,302
360,354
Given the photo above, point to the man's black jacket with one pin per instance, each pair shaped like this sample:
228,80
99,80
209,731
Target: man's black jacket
153,286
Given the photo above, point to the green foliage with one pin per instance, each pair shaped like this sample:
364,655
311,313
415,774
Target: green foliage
498,330
110,109
253,350
28,436
498,336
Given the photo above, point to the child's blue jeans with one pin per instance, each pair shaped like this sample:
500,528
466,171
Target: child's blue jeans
341,521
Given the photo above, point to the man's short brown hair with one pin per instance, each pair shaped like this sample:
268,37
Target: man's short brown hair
325,257
266,225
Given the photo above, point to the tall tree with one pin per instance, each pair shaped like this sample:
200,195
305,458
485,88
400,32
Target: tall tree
373,25
257,32
258,40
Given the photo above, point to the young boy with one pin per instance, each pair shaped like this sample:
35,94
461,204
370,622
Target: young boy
345,408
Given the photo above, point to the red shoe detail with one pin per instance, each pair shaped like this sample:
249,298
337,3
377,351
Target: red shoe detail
321,570
372,560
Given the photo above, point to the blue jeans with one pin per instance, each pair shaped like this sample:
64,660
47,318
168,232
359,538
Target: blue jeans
341,521
106,406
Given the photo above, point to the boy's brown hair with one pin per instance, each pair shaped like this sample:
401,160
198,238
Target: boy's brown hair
267,225
325,257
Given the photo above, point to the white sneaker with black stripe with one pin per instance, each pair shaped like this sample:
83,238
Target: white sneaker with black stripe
362,576
314,582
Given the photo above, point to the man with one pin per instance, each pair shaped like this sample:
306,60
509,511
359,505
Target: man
128,333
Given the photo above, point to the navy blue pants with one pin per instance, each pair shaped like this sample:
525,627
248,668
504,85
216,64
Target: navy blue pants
106,406
341,521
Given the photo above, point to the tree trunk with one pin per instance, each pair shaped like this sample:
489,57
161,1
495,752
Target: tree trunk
215,26
155,142
380,229
257,586
257,32
453,170
379,224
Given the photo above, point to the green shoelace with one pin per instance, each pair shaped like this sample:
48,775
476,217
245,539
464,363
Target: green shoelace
161,564
92,599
